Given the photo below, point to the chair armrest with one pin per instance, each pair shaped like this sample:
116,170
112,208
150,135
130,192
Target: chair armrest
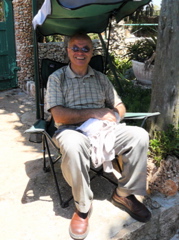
131,115
140,116
38,127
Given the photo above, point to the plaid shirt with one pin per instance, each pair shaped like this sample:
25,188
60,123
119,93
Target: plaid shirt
93,90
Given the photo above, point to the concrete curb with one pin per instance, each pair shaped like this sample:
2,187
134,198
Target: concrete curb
162,226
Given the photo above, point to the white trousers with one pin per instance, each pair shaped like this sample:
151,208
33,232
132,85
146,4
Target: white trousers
131,142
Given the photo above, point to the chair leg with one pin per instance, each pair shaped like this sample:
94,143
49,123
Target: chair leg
45,167
63,204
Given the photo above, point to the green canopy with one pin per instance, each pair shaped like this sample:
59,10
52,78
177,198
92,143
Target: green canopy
67,17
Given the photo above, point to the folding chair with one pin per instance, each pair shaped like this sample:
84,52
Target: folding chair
43,130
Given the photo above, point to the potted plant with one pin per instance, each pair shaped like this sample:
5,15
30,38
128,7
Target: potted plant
142,54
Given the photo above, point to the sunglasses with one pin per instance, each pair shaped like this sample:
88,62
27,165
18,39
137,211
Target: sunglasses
78,49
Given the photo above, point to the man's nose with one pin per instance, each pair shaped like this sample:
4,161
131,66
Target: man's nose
80,50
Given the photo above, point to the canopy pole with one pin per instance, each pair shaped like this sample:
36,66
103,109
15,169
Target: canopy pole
36,64
107,48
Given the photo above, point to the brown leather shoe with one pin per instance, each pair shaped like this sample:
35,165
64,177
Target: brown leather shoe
132,206
79,226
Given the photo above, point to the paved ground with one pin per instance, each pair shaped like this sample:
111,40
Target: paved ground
29,205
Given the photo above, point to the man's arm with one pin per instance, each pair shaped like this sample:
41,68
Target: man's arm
74,116
121,110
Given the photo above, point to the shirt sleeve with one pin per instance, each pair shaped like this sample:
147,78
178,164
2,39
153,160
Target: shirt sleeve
54,95
112,97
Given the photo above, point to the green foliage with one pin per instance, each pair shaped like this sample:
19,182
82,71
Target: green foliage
54,38
142,50
164,143
93,36
135,98
121,64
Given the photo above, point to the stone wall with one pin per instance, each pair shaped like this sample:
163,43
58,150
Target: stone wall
117,43
24,40
51,50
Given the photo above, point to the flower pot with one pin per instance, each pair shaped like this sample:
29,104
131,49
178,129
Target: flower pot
142,74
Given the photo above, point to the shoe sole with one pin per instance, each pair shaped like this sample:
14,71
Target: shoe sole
124,208
77,237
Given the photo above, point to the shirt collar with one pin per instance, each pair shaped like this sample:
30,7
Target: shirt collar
71,74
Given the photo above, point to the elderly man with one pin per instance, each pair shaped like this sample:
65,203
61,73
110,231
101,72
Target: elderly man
75,94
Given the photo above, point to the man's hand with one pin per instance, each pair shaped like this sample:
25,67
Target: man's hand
111,114
105,114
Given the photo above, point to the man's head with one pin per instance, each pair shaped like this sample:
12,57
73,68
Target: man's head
80,50
83,36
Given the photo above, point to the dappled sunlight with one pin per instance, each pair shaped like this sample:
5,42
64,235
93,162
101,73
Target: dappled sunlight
17,114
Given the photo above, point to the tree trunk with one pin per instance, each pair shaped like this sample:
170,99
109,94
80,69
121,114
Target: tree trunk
165,86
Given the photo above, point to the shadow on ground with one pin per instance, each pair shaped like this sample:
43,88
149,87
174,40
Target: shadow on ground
41,187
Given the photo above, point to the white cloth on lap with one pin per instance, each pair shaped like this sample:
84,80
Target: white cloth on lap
101,134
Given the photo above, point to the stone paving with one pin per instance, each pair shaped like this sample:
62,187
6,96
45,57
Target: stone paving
29,205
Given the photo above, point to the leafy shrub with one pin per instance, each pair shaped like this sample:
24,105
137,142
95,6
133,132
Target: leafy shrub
142,50
164,143
121,64
54,38
135,98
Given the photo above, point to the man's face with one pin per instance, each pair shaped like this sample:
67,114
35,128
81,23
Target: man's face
78,52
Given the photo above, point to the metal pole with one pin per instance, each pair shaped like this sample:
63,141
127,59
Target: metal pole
36,64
